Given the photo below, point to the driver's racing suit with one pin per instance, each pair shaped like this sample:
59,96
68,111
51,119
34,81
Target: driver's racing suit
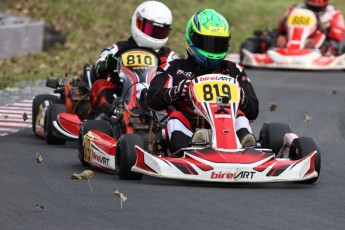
181,125
107,85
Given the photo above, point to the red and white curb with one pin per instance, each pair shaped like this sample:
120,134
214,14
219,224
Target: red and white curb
15,117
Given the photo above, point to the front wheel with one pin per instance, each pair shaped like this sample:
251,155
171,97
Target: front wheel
52,113
36,103
87,126
126,156
300,148
272,136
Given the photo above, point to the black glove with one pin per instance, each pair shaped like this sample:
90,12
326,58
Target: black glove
102,68
177,92
243,99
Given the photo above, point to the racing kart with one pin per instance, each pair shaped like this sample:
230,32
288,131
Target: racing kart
215,153
301,25
70,97
101,139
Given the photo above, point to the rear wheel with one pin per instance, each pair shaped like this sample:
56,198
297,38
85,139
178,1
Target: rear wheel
100,125
52,113
252,45
36,103
301,147
272,135
126,156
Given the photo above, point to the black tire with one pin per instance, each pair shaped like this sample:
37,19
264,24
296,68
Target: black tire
100,125
126,156
118,130
301,147
38,100
252,45
52,112
272,136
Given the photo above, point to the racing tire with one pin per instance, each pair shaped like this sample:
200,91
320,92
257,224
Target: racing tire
100,125
300,148
52,112
118,131
252,45
126,156
36,103
272,136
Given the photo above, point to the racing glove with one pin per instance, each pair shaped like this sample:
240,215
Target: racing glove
177,92
102,68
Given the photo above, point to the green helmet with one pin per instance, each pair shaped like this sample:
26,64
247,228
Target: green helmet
207,38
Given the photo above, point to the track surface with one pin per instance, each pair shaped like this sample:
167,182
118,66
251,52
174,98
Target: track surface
164,204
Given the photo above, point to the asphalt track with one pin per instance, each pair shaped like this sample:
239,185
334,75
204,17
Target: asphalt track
42,196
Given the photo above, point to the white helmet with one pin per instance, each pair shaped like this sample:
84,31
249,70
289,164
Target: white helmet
151,24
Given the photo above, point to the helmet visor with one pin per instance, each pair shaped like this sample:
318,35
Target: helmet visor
152,29
213,44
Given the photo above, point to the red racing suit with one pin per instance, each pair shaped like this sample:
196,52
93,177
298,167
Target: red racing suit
181,124
106,85
331,23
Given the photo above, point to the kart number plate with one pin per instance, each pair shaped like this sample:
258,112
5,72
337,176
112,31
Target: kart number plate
300,20
138,58
87,148
210,90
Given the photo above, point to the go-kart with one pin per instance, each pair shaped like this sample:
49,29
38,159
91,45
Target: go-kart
69,96
215,153
106,136
301,24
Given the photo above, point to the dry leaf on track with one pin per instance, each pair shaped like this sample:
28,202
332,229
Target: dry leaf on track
272,107
307,118
39,158
39,206
25,117
86,175
123,198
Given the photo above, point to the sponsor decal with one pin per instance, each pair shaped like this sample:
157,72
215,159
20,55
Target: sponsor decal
222,175
100,159
245,175
184,73
215,78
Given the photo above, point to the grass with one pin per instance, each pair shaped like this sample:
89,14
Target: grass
92,25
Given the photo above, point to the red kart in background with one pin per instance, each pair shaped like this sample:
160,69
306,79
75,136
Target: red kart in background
215,153
301,24
137,67
99,138
70,97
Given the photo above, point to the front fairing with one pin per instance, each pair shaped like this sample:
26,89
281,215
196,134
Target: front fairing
216,98
300,24
137,67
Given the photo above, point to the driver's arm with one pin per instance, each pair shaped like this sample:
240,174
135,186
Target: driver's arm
250,105
158,88
106,63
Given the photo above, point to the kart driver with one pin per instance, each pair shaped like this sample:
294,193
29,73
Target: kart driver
150,28
207,41
331,23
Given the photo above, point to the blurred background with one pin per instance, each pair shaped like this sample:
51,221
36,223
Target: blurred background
89,26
